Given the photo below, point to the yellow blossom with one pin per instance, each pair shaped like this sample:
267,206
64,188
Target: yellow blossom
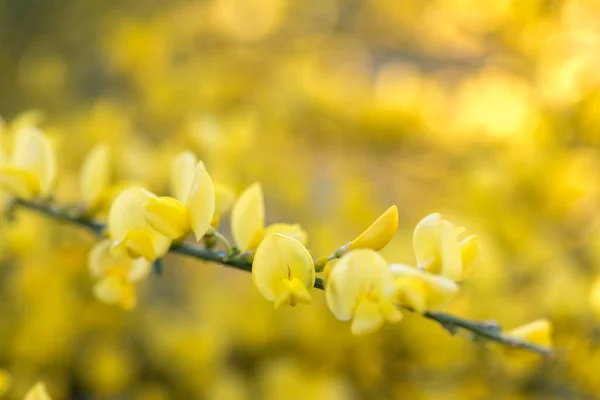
129,230
379,234
421,290
5,382
536,332
361,287
117,275
174,218
31,170
438,249
38,392
95,176
182,174
283,270
248,221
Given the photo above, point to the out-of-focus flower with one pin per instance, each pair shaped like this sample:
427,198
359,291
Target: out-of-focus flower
31,170
283,270
379,234
94,178
193,208
117,275
5,381
128,229
595,297
421,290
537,332
38,392
224,198
361,287
248,221
438,249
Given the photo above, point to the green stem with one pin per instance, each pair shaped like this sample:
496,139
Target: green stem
452,323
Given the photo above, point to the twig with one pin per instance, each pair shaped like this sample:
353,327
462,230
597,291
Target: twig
452,323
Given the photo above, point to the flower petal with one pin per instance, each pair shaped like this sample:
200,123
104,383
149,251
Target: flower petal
182,174
248,218
380,233
201,202
38,392
167,216
291,230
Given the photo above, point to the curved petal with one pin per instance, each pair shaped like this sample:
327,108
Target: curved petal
115,289
95,176
248,218
201,202
450,252
380,233
426,240
182,174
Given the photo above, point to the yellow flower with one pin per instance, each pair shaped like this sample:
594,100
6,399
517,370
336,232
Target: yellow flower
128,229
182,177
379,234
175,218
31,170
421,290
38,392
283,270
95,176
117,275
248,221
361,287
537,332
5,382
438,249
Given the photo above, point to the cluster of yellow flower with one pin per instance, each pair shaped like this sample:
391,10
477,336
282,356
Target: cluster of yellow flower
360,285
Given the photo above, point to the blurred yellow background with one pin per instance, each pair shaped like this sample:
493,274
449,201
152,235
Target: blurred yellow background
487,111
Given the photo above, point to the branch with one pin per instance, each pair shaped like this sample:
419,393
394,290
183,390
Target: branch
485,330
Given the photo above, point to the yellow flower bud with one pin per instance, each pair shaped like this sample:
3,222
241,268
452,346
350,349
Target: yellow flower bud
129,230
420,290
361,287
439,251
291,230
5,381
248,218
182,174
117,275
283,270
537,332
95,176
380,233
38,392
31,170
167,216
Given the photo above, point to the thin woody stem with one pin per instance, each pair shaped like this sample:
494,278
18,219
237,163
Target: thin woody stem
450,322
